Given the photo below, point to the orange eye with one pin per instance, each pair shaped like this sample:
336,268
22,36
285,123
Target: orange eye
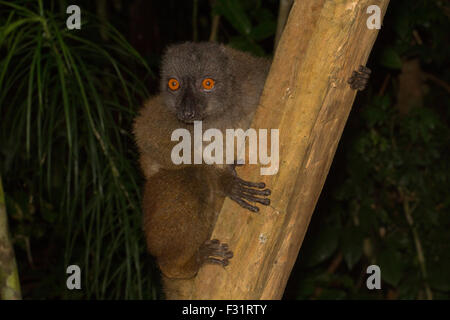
173,84
208,83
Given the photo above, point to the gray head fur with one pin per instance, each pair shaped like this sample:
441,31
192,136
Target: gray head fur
190,63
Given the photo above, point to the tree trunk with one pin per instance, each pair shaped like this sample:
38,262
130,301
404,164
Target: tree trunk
307,98
9,277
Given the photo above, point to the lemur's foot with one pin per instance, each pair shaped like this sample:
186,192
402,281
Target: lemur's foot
242,190
214,252
359,79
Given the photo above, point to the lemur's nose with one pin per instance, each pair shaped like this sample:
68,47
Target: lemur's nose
188,114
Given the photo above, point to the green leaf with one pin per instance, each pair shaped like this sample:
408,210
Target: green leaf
7,29
322,246
391,265
263,30
235,14
352,245
391,59
19,9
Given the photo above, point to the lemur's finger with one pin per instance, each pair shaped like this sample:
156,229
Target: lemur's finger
265,192
263,201
244,204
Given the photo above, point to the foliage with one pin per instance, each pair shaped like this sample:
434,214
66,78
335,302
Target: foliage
67,100
386,201
253,22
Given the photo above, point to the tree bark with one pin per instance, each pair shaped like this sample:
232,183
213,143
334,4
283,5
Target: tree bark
9,277
307,98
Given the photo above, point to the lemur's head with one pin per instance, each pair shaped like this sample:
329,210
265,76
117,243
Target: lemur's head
195,80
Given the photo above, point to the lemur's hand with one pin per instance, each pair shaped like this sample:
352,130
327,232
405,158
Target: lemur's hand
242,191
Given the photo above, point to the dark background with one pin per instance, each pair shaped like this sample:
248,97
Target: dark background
72,183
